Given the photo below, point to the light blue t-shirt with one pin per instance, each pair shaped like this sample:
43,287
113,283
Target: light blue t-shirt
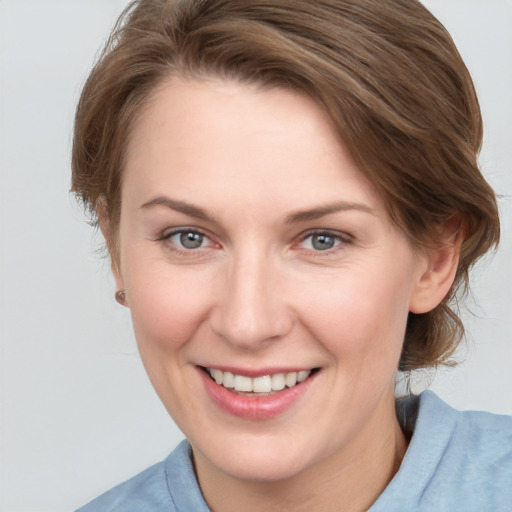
456,462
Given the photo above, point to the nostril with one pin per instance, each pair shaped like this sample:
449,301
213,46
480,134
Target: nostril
247,328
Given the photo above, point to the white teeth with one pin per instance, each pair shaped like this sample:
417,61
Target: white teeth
303,375
229,380
218,376
243,383
291,379
263,384
278,382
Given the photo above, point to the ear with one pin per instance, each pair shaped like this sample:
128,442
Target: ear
441,263
101,212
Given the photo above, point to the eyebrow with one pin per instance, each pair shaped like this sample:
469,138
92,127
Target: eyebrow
328,209
292,218
180,206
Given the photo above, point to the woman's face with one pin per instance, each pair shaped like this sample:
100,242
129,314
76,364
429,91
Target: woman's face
251,244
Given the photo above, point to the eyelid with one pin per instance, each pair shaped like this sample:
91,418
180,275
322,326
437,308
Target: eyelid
167,233
343,238
170,232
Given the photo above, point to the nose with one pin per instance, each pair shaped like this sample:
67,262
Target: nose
251,307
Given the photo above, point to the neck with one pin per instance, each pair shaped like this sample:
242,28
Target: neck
350,480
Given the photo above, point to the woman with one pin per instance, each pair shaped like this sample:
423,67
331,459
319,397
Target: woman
290,197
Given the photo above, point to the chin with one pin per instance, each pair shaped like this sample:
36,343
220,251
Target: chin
266,461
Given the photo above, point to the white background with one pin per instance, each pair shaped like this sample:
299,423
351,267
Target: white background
77,412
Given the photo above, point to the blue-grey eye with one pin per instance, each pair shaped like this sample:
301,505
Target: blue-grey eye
321,241
191,240
188,239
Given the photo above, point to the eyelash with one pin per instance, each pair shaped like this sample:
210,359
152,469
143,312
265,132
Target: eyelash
341,239
166,238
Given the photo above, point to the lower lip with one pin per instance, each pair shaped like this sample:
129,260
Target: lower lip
254,407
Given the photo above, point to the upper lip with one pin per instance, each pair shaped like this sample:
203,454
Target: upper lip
258,372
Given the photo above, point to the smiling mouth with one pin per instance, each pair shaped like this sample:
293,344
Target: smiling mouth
259,386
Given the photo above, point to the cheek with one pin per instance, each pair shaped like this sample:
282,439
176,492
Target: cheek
360,314
168,306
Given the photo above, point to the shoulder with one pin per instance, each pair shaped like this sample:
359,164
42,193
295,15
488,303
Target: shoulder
457,460
145,491
479,457
469,438
487,439
169,485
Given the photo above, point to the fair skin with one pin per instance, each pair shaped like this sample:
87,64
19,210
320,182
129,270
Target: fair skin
249,241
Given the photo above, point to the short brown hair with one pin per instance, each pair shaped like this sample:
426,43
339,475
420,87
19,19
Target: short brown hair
386,71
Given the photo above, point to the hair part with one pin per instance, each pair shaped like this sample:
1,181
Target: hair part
388,74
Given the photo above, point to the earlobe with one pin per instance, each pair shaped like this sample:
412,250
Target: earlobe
101,212
438,277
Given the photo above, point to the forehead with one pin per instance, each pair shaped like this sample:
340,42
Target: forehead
191,109
224,135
